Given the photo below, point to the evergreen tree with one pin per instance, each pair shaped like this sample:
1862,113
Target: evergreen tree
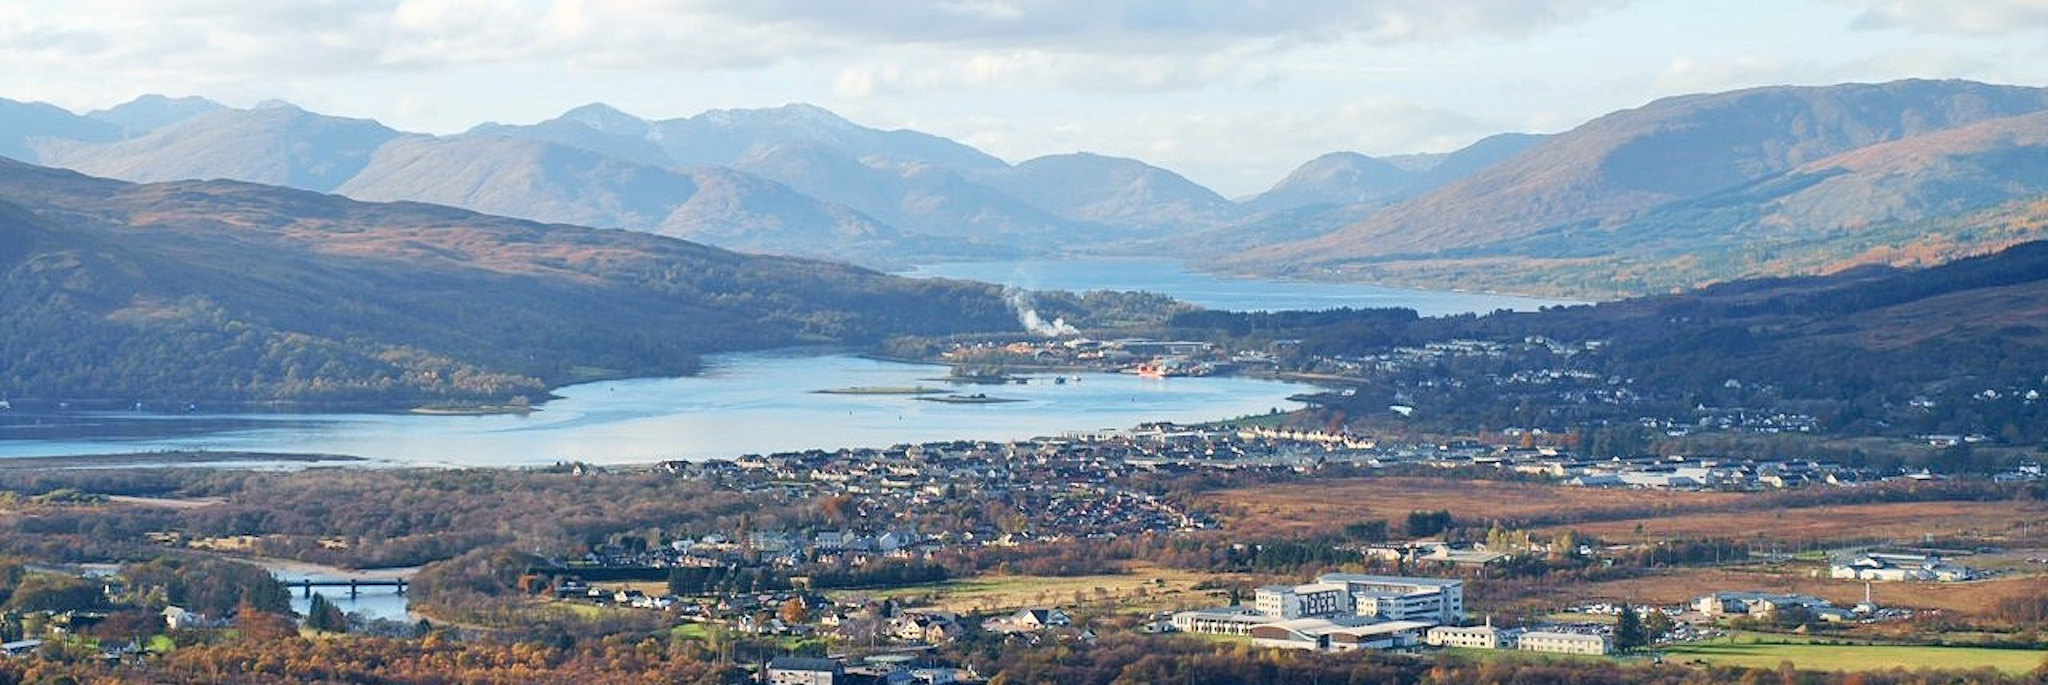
324,616
1628,630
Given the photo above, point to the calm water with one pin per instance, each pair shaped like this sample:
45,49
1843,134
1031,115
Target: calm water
379,602
1215,292
763,402
743,403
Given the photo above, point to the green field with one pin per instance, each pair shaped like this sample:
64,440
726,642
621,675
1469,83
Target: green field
1143,589
1745,651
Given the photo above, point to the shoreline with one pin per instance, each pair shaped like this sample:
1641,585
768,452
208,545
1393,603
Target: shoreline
166,460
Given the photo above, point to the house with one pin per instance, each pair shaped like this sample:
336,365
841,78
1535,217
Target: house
789,670
932,627
177,618
1027,620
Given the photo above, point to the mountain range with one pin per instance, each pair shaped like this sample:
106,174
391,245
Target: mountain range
1678,193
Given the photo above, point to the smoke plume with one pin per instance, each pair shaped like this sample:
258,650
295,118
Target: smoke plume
1020,302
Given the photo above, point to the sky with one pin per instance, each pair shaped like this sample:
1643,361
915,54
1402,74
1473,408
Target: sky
1231,93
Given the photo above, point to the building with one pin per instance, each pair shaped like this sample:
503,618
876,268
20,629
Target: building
1220,621
1401,598
1471,637
1303,601
1434,601
1338,612
1027,620
789,670
1884,566
1759,604
1564,643
1338,634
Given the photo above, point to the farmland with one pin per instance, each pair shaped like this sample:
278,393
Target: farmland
1769,652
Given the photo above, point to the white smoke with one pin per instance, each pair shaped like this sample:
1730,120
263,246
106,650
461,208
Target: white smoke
1020,302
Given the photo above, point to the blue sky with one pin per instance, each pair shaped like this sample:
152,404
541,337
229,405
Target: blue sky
1231,93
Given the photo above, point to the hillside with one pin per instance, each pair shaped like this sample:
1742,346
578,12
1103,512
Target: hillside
558,183
1914,202
232,291
1349,178
1872,350
1696,189
276,144
26,126
1111,191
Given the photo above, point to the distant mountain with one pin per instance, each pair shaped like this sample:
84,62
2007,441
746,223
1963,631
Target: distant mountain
744,212
594,127
1349,178
223,290
25,126
1338,178
1672,149
152,112
1697,189
1111,191
724,136
277,144
921,199
1913,202
1454,166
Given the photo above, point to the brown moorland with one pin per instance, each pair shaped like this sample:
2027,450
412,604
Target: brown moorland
1326,506
1894,521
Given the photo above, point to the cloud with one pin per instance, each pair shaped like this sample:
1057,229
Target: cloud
1132,26
1041,70
1974,17
1690,74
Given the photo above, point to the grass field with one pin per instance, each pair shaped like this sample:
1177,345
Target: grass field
1746,651
1682,585
1142,589
1898,521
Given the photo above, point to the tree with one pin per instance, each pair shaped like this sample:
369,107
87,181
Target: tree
1422,524
1628,630
323,616
1655,625
794,611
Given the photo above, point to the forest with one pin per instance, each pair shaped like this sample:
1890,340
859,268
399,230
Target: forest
1873,351
121,293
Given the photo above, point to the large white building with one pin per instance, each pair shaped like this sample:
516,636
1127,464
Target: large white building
1402,598
1340,611
1339,634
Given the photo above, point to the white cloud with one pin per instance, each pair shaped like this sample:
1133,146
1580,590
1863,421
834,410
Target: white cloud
1972,17
1041,70
1689,74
